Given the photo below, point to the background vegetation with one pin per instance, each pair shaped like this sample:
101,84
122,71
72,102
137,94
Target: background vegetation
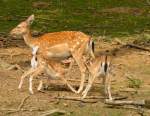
95,17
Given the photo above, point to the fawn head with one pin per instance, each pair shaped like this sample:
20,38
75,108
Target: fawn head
23,27
100,65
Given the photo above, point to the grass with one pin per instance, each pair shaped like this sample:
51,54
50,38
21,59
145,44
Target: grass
82,15
135,83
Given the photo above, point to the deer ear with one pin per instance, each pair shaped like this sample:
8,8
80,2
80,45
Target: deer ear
30,19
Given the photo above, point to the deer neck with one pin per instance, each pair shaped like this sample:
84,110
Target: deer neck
28,39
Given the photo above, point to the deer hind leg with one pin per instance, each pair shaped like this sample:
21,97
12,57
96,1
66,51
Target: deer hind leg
35,73
70,86
89,85
107,82
60,74
71,61
78,56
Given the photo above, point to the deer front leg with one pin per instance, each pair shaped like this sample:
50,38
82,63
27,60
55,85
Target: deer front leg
78,57
38,71
82,68
88,87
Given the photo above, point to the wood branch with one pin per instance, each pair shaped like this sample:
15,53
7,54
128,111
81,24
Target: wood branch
128,90
15,66
94,97
86,100
121,106
15,51
72,97
134,90
6,109
50,112
145,53
129,102
137,47
22,102
132,45
19,107
76,99
6,66
137,108
8,41
120,98
15,54
145,103
15,110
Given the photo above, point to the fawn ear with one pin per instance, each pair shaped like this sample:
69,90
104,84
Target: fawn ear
30,19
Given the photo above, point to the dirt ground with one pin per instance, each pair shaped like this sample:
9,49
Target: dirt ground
127,62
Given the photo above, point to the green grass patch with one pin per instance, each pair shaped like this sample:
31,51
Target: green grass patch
134,83
92,17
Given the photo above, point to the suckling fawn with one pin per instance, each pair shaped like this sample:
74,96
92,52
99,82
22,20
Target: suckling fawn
99,67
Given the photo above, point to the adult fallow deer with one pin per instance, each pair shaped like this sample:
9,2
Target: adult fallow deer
56,46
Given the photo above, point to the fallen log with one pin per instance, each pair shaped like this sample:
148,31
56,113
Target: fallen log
137,47
51,112
128,102
132,45
145,103
88,99
76,99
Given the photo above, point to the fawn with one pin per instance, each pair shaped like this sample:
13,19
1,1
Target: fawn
51,67
99,67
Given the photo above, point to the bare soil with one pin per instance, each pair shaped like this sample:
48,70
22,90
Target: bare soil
128,61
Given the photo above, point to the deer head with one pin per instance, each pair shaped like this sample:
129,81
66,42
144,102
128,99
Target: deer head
23,27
